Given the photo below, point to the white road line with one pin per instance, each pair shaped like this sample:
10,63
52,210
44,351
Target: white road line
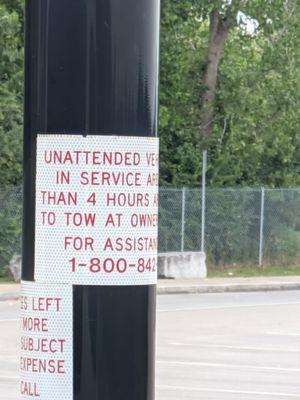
229,391
10,320
222,307
292,334
235,366
11,378
227,347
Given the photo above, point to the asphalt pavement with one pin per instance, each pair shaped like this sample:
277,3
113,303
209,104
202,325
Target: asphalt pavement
229,346
223,346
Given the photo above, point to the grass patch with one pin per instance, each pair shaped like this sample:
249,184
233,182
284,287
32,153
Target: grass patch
248,272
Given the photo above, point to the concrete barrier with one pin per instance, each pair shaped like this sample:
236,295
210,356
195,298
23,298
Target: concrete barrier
14,267
182,265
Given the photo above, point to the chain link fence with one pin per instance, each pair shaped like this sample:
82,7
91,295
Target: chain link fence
10,223
242,226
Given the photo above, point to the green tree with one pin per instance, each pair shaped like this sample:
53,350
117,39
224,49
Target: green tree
233,91
256,138
11,83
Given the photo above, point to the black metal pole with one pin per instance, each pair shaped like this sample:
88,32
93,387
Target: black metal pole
91,71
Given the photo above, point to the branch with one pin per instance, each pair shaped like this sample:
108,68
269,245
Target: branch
224,129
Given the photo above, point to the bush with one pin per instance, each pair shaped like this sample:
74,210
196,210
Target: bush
10,224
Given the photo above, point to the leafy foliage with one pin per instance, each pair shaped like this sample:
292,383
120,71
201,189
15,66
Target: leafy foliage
10,222
11,99
256,136
11,79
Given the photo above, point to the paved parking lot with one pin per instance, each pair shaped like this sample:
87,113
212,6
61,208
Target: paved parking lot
211,347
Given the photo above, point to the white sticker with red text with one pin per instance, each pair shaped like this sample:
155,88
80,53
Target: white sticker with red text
46,365
96,210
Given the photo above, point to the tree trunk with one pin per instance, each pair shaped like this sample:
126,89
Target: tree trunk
217,38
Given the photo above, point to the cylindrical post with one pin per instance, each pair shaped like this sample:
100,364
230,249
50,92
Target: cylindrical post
90,200
203,200
261,228
183,218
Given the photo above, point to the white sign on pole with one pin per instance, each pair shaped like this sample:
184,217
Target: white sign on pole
46,359
96,210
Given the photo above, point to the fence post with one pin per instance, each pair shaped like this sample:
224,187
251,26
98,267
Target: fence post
183,219
261,230
204,163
